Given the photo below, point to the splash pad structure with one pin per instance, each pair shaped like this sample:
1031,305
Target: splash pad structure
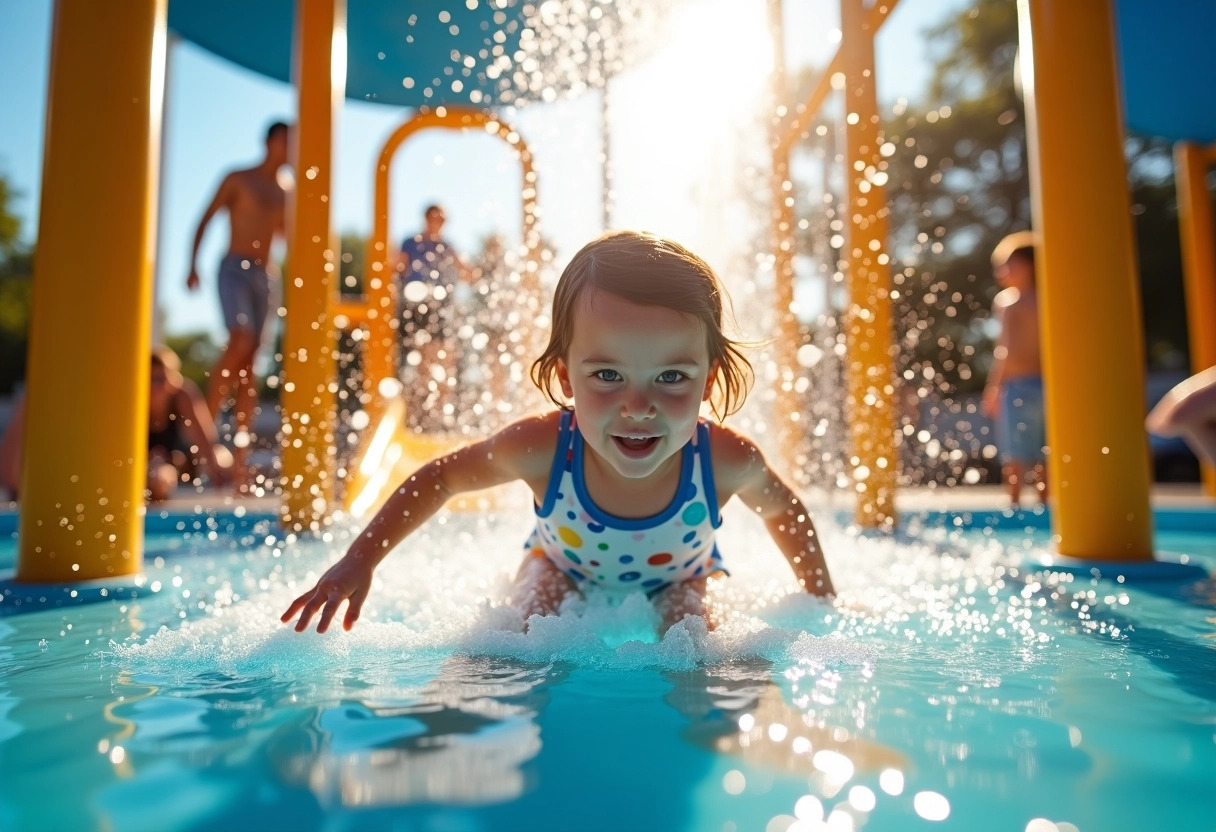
948,685
390,452
1115,479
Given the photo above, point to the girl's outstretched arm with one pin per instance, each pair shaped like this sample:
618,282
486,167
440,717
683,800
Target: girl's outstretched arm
523,450
740,469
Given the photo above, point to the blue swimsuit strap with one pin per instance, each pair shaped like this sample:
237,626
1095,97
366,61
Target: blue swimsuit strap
566,448
565,439
688,457
707,473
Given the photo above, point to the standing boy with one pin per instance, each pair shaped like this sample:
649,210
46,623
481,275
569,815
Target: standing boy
1013,397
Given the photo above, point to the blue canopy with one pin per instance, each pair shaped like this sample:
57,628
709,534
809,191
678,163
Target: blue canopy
1168,52
399,53
504,52
484,53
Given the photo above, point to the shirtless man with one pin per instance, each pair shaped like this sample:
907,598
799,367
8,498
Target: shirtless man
255,203
1013,396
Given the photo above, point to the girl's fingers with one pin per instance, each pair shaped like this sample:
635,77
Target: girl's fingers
310,609
354,606
295,606
327,598
331,609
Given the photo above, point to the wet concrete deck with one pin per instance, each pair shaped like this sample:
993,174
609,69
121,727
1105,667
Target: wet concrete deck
961,498
908,501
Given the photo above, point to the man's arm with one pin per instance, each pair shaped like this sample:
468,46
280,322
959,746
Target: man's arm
1189,411
463,272
991,401
222,199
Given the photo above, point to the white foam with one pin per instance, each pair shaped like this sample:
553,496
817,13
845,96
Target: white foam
445,591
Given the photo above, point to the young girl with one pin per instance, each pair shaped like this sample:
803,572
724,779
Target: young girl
628,481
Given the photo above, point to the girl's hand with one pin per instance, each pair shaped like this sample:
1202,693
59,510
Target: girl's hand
520,451
348,580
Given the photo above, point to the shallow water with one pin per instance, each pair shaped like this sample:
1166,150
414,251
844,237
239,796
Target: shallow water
946,687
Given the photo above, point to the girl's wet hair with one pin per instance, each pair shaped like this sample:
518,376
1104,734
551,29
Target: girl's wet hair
649,271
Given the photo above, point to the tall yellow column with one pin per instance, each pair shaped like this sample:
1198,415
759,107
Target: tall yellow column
1092,336
309,340
383,343
1191,165
867,322
87,405
788,405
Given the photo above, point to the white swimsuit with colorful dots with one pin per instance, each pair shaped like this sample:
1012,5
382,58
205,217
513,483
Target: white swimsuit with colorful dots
649,553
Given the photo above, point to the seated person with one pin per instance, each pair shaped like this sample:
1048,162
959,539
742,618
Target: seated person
182,438
10,451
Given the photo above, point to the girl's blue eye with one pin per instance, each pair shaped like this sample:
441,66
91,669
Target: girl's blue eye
607,375
671,376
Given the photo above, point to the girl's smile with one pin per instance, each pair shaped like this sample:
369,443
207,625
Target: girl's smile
637,447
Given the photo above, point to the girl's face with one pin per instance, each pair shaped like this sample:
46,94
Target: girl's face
637,375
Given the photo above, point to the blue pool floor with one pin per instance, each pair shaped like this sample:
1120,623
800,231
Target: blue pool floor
944,675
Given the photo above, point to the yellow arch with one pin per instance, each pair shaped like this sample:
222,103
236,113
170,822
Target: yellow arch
388,452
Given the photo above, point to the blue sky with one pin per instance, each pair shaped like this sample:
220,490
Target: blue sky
676,140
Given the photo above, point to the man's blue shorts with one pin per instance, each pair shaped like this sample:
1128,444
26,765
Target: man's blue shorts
244,294
1020,431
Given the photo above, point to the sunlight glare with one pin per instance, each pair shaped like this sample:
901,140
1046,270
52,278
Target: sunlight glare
728,45
711,73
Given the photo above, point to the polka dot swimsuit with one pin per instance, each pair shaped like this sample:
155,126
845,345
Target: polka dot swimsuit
649,553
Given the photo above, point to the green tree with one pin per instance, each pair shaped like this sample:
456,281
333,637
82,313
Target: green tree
16,292
959,181
353,246
10,223
1155,211
197,353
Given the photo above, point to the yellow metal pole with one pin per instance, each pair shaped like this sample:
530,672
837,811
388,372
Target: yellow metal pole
87,407
386,453
788,408
800,117
870,402
309,342
1093,354
1191,165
